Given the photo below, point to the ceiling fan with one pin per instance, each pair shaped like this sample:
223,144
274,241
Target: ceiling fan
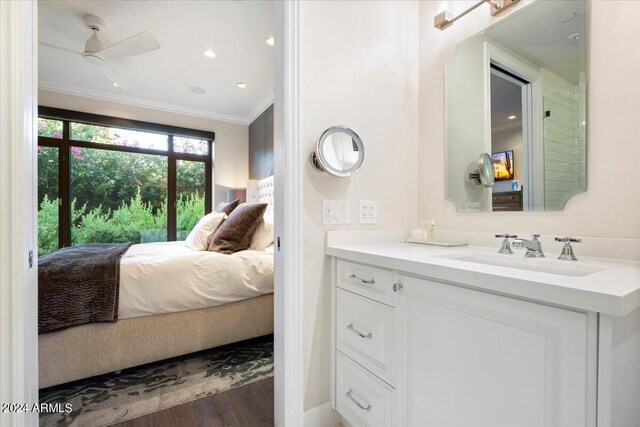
95,53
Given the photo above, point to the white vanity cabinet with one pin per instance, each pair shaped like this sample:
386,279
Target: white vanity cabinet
413,351
479,359
366,371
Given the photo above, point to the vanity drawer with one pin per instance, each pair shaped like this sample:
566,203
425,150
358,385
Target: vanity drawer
365,333
361,398
371,282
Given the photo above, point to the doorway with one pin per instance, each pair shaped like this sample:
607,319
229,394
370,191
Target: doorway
510,139
21,384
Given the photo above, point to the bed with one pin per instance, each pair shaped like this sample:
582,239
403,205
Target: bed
173,301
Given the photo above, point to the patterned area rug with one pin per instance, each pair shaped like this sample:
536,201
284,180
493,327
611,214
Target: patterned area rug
113,398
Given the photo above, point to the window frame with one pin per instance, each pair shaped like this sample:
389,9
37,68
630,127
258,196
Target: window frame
65,143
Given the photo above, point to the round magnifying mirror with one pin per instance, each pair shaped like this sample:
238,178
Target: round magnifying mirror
339,152
484,175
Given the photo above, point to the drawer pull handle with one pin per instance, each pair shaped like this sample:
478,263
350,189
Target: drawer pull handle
368,282
362,335
367,408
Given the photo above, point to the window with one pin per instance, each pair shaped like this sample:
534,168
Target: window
114,136
190,145
48,194
108,182
190,180
49,128
127,204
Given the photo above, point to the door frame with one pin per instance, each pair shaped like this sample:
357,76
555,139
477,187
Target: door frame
18,206
525,126
534,131
18,196
289,172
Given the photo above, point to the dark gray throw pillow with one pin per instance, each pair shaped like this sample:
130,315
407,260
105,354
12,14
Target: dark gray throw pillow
227,208
234,234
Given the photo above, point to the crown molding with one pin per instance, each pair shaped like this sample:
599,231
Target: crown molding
261,108
161,106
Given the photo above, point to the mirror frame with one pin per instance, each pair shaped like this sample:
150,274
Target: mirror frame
319,161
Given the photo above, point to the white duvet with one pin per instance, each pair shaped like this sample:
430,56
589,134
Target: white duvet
166,277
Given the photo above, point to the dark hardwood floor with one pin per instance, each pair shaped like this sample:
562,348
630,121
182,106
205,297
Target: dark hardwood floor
251,405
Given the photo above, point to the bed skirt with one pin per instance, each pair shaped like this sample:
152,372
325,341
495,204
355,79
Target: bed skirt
94,349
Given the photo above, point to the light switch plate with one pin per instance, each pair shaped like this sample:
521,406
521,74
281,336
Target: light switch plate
368,212
335,212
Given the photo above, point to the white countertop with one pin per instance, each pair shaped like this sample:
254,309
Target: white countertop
614,290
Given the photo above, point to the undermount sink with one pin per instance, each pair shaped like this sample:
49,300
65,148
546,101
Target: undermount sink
541,265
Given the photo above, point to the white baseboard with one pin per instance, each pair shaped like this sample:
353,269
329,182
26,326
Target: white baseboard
322,416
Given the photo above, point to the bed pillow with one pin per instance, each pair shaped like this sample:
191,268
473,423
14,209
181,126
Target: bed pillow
263,236
227,208
236,231
198,238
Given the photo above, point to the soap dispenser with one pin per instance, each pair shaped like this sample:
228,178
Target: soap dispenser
432,232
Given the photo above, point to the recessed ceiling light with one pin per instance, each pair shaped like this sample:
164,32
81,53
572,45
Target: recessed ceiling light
241,85
114,84
512,117
270,41
197,89
209,53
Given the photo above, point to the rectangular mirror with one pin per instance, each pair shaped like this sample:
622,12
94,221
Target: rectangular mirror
517,91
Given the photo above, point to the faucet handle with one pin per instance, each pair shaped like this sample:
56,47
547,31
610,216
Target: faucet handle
567,251
568,240
535,236
506,247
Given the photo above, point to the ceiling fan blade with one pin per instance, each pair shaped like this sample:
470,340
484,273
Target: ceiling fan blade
57,20
114,76
59,48
136,45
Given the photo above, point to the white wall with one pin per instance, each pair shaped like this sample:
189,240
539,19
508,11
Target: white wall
359,69
607,209
231,145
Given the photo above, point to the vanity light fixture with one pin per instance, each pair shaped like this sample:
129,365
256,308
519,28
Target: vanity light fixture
209,53
445,18
511,117
271,41
241,85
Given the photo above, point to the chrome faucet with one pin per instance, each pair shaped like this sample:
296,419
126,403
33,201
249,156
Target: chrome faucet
505,248
567,251
533,246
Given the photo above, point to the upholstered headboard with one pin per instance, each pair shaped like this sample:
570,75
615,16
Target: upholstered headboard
261,191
